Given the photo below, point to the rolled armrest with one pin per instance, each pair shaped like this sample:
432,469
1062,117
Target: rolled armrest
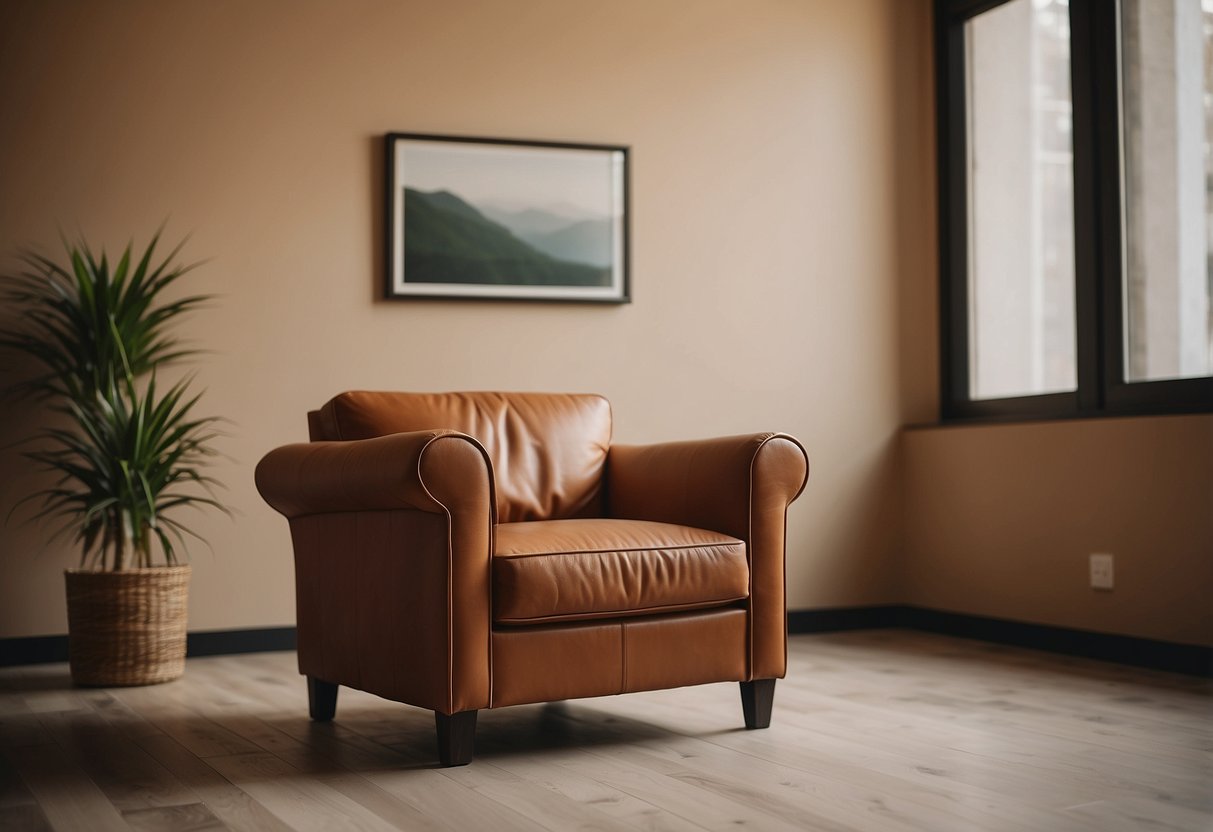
736,485
392,540
707,483
424,470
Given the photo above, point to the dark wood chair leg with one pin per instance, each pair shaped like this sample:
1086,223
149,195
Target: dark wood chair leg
756,699
456,737
321,699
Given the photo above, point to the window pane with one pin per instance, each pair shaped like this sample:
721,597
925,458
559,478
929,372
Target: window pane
1021,201
1167,119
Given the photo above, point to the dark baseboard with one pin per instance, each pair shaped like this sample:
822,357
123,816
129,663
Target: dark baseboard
1194,660
32,650
1191,659
833,619
228,642
45,649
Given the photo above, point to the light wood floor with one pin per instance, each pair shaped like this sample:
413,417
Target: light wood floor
876,730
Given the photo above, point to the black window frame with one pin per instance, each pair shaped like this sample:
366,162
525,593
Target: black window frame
1098,263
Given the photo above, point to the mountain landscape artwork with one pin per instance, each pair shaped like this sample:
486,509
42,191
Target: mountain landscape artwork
449,240
491,218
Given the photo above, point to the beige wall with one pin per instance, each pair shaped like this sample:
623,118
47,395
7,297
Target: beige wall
1000,520
781,194
784,276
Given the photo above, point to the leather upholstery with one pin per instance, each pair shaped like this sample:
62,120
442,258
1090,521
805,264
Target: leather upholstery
572,570
548,450
547,663
458,551
736,485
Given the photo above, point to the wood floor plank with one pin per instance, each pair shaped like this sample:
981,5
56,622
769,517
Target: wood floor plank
547,808
1055,759
19,809
847,792
119,715
346,747
332,770
549,772
233,806
303,802
861,775
689,801
28,817
13,791
68,797
394,783
929,766
170,712
873,731
845,796
1128,814
127,774
192,817
443,798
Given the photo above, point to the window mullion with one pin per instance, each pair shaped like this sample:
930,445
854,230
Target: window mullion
954,311
1094,144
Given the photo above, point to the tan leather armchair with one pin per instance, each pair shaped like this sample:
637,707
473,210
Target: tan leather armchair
460,551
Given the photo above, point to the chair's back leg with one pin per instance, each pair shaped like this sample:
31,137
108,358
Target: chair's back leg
321,699
756,700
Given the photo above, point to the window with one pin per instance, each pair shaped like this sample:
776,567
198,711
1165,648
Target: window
1076,185
1167,129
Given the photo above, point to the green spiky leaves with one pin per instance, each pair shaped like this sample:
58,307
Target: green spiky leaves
128,455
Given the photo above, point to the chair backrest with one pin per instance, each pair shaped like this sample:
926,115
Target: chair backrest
548,450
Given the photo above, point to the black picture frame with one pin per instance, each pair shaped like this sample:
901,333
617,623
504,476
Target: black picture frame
470,218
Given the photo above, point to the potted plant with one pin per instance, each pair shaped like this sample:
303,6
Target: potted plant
128,454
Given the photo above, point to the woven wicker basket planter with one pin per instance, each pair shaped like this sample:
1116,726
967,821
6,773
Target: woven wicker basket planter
128,627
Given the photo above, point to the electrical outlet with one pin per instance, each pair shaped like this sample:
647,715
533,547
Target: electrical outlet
1103,575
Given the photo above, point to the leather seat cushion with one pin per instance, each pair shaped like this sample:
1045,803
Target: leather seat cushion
575,570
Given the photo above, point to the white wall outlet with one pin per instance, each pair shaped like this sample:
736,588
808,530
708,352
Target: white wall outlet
1103,575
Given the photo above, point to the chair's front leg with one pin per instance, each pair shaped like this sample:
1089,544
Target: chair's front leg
756,700
321,699
456,737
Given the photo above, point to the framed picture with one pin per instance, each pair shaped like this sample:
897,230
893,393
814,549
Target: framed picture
504,219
